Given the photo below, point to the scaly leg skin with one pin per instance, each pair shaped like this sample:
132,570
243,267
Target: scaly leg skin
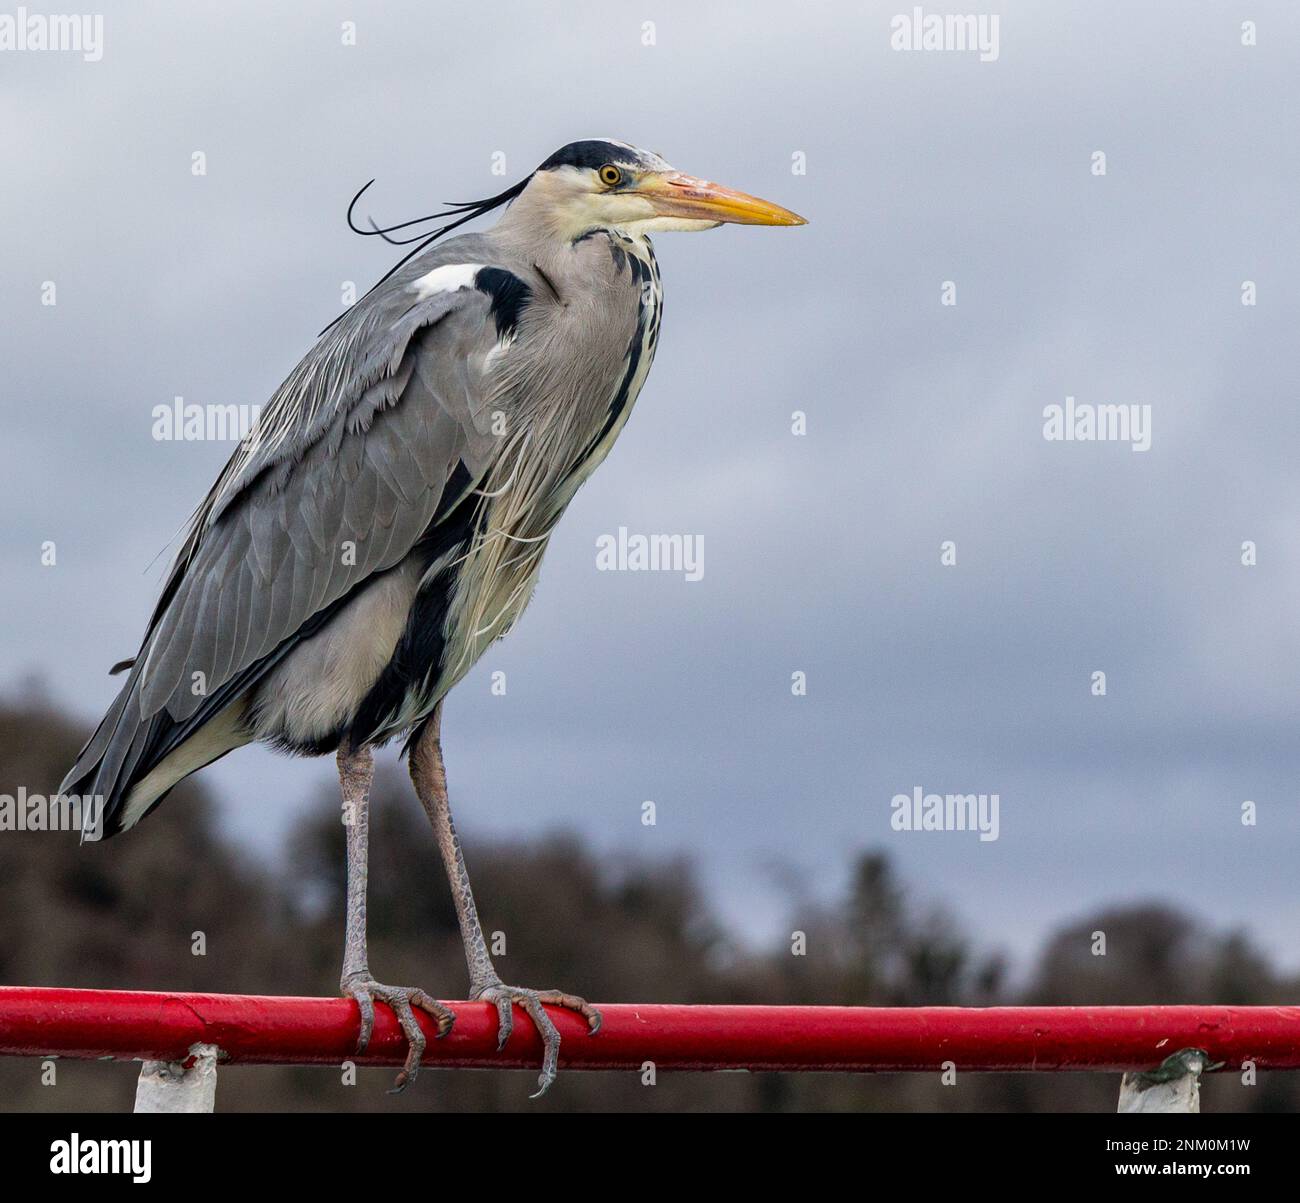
430,778
356,770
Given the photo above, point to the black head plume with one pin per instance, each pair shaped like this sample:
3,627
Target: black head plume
460,211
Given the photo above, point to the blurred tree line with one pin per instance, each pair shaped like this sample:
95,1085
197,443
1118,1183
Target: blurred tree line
121,916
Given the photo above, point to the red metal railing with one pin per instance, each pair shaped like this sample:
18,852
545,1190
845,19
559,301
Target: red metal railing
249,1029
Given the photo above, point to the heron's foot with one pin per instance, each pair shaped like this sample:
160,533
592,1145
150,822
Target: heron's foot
401,998
503,997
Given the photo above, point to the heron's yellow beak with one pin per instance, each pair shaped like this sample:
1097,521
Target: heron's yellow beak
676,195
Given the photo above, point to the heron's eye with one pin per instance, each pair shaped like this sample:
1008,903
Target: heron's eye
610,175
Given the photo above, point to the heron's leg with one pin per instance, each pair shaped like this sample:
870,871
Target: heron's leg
430,778
356,771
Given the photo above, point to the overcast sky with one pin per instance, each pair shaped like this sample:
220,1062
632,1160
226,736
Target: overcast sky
822,553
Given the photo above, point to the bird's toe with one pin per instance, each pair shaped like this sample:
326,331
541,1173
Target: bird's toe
402,1000
533,1003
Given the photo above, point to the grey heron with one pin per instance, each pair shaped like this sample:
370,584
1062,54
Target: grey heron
386,519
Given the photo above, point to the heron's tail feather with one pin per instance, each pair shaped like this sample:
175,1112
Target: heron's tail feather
95,775
131,763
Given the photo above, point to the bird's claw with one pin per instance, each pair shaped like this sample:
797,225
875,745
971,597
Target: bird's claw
401,999
503,997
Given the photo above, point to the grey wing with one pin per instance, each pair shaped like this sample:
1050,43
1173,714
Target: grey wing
338,484
348,467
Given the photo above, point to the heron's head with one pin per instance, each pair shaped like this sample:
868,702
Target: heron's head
603,184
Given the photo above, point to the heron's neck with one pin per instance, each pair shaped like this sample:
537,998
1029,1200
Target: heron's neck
538,224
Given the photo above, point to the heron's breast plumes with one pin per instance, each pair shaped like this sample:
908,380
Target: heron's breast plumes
554,448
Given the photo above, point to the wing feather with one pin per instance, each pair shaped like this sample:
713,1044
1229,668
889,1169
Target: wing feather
365,442
358,447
